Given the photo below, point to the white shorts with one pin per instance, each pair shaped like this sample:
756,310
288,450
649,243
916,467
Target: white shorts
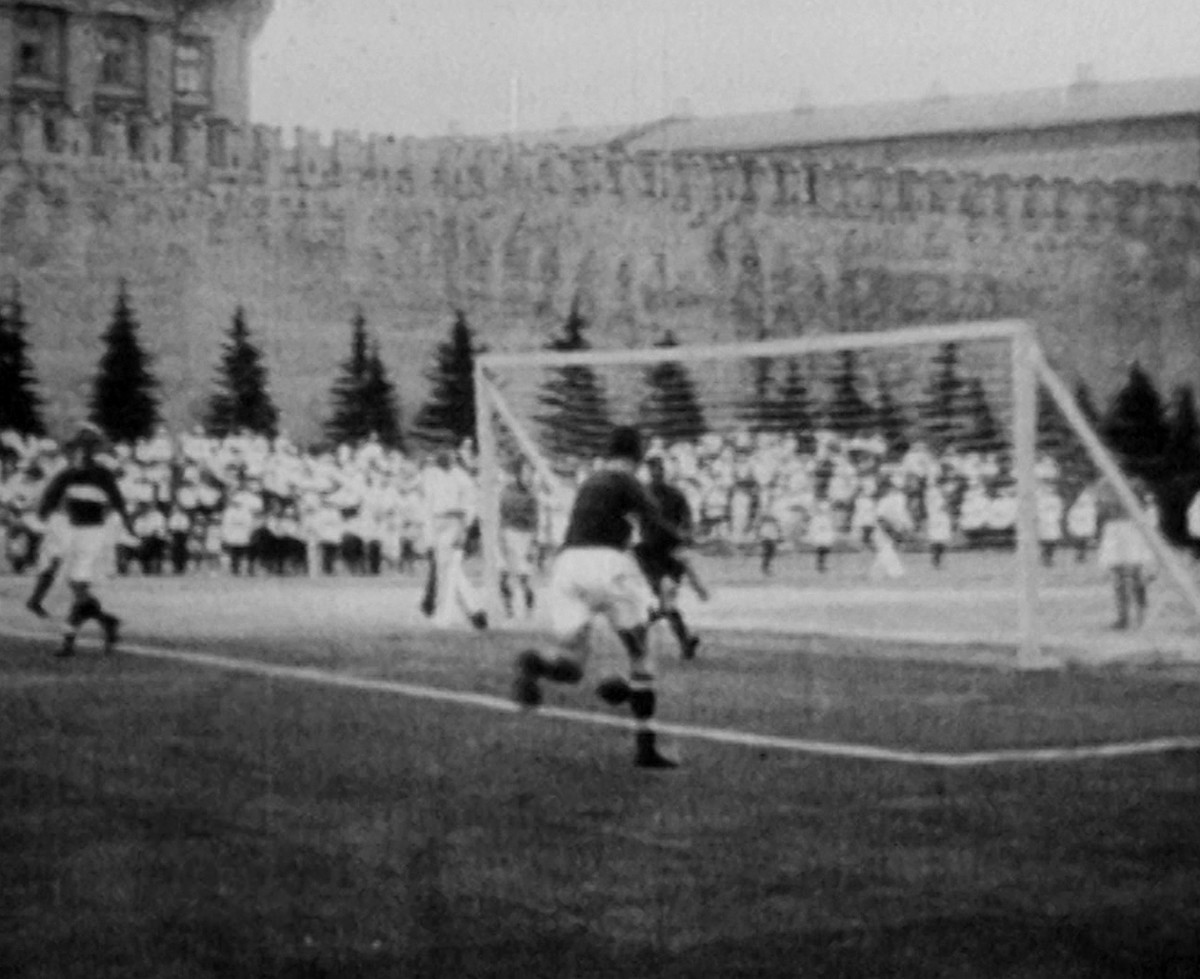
591,581
516,548
86,553
53,541
1123,543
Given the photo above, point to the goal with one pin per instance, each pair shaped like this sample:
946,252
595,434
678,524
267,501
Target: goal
925,484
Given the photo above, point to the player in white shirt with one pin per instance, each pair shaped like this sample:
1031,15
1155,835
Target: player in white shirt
449,495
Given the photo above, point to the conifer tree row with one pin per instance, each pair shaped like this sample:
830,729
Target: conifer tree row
20,403
575,417
670,408
364,398
448,416
124,402
242,401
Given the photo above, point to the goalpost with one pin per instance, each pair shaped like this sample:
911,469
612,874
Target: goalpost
957,448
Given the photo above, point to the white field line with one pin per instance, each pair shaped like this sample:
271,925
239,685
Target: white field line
715,735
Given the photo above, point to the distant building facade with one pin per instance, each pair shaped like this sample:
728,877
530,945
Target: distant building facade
143,59
1144,131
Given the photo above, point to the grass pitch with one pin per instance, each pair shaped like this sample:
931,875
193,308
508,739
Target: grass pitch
165,819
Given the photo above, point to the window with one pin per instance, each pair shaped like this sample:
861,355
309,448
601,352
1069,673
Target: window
121,48
40,36
192,61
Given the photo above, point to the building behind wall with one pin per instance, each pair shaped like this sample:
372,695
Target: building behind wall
143,59
1147,131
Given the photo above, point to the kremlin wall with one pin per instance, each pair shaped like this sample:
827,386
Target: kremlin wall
203,217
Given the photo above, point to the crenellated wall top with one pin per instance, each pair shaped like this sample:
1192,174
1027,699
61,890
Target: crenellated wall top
205,151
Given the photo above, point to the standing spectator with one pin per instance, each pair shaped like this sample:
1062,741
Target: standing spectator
151,528
1193,525
821,533
1083,522
328,529
769,535
1125,553
179,528
938,528
1049,522
237,528
886,563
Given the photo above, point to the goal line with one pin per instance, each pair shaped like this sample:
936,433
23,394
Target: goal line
713,735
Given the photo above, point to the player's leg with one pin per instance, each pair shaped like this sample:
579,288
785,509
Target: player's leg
668,603
49,562
1137,587
570,599
768,556
48,570
81,560
527,590
1121,593
506,594
629,598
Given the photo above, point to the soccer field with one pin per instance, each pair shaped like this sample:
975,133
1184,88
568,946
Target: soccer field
297,778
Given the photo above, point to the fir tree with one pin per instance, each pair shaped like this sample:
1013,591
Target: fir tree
242,402
575,420
891,421
847,413
759,409
364,400
670,408
1179,474
981,432
380,405
448,416
1087,405
20,404
1135,426
1057,438
124,404
791,404
943,421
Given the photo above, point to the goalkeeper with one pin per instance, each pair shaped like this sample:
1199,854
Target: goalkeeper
660,558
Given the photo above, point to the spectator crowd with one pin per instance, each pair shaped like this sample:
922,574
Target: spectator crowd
248,504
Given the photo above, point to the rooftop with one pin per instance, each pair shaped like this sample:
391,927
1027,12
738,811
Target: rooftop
1083,102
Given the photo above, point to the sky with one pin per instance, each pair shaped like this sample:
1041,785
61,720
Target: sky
431,67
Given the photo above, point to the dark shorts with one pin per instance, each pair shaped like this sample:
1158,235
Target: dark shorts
657,565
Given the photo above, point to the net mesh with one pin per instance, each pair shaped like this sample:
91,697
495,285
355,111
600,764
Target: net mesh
882,478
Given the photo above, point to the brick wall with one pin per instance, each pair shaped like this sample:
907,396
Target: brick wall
410,229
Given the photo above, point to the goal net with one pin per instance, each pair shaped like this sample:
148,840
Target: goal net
930,484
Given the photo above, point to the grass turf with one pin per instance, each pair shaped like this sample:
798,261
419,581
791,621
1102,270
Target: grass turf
165,820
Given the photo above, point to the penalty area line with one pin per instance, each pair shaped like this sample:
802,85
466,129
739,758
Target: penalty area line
714,735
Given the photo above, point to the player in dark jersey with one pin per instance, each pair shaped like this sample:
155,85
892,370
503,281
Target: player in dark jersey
87,492
660,559
518,523
595,575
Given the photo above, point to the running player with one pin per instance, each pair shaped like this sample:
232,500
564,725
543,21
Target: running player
596,575
86,491
658,554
